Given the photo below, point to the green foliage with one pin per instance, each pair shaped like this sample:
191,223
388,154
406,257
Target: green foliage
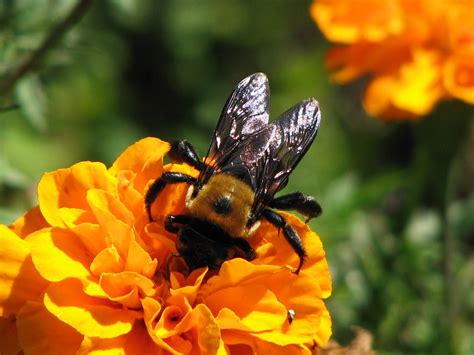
398,221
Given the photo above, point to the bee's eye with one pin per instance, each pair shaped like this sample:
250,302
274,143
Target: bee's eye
222,205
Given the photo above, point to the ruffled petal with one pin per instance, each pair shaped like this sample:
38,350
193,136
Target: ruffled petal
127,288
31,221
42,333
108,260
273,249
62,193
137,342
107,207
187,286
299,293
256,308
89,316
144,158
458,75
19,280
69,255
9,343
363,20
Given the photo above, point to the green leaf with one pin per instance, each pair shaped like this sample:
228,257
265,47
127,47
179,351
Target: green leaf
32,100
8,216
10,176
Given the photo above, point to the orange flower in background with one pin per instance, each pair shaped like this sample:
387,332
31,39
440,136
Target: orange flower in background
84,272
416,52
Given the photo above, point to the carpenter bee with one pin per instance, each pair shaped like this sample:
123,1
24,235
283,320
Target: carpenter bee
248,161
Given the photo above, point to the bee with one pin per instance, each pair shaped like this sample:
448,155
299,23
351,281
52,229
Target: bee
248,161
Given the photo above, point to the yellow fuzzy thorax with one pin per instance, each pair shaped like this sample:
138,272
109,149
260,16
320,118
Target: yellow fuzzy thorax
221,186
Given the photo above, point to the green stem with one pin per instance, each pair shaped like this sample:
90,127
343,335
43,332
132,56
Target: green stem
451,284
34,58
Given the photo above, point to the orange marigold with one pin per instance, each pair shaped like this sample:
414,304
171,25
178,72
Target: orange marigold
85,273
417,52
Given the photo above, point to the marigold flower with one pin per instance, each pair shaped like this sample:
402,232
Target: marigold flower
85,273
417,52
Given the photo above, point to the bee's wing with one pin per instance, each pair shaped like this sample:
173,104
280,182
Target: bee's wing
291,137
244,114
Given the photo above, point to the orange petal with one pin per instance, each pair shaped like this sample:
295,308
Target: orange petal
67,189
257,308
93,236
347,63
239,342
29,222
160,242
122,237
108,260
275,250
187,287
139,260
129,196
145,158
19,280
234,272
197,332
127,287
300,293
324,331
349,22
58,254
137,342
106,206
151,310
414,88
90,316
42,333
247,343
207,332
182,329
9,344
458,76
264,347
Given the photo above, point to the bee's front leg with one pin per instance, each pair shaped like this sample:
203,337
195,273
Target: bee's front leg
160,183
183,152
298,201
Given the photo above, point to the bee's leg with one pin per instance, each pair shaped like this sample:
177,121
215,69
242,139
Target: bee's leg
160,183
290,234
243,245
298,201
172,221
183,152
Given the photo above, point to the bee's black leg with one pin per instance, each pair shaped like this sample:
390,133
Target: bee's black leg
172,221
183,152
160,183
243,245
290,234
298,201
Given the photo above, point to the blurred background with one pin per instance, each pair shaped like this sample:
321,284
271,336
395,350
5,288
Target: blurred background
398,221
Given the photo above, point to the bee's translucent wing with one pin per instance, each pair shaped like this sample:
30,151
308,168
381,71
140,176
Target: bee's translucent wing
291,136
245,113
